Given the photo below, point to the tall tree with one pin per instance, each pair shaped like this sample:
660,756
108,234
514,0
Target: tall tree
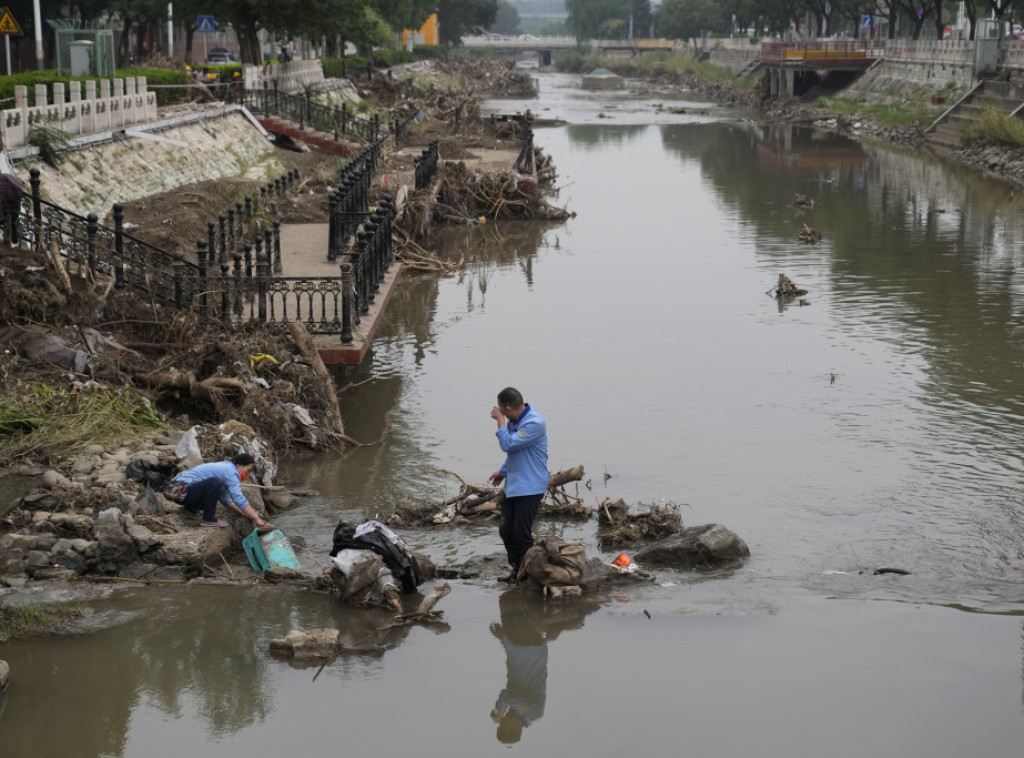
589,19
404,14
457,17
507,20
686,19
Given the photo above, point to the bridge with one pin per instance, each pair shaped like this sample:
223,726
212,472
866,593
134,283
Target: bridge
790,64
526,46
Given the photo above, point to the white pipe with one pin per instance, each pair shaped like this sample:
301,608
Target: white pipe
170,30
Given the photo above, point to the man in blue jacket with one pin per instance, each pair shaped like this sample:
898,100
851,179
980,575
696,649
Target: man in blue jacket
523,436
210,483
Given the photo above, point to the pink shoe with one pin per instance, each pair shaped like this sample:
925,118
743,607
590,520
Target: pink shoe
218,522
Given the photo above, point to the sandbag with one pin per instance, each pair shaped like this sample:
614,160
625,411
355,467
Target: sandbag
555,564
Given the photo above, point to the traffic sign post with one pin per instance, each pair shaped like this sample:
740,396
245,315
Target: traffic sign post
8,26
207,25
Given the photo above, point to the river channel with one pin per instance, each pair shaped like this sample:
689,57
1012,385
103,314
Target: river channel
880,425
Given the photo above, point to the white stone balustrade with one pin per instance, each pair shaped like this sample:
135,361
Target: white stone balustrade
294,76
120,103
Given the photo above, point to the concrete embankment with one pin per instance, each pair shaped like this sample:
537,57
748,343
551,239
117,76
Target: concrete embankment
207,145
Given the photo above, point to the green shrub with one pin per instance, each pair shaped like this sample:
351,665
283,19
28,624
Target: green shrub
421,52
49,77
389,58
996,127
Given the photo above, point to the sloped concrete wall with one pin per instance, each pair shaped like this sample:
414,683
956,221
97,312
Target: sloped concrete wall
92,179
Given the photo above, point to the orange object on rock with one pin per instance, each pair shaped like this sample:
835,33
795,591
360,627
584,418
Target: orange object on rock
622,560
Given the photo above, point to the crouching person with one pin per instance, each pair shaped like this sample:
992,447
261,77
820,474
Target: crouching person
372,565
199,490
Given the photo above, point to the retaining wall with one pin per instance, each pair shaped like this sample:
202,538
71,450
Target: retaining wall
290,77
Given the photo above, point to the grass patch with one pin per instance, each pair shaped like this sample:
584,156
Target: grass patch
890,115
48,423
995,127
30,620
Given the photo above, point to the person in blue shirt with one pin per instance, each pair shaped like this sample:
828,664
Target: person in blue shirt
210,483
523,437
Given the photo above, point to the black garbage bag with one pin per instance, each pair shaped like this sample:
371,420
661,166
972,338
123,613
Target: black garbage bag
155,475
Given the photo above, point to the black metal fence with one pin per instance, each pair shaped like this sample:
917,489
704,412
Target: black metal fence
305,111
426,165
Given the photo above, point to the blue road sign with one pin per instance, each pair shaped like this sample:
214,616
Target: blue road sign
206,24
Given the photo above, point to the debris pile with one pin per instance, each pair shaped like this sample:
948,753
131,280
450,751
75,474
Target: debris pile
617,527
478,504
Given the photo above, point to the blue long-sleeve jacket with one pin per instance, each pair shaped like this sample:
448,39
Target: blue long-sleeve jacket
526,464
226,473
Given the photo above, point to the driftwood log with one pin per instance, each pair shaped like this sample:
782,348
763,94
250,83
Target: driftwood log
475,504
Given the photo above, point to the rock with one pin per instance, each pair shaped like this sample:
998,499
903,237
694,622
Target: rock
44,542
5,676
109,516
277,501
71,523
94,450
12,561
70,560
51,573
83,465
148,502
706,546
115,548
55,480
193,547
143,538
14,581
316,643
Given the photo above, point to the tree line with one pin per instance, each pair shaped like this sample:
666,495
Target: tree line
691,19
330,23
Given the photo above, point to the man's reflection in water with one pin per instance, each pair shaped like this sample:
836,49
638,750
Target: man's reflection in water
528,623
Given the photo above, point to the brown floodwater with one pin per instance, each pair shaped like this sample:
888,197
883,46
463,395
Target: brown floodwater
878,426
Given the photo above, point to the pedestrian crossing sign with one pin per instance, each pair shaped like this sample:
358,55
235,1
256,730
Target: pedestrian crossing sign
7,23
205,24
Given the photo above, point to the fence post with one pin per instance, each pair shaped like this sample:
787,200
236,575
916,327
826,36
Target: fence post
346,303
278,267
211,240
201,251
266,111
332,226
231,229
225,293
358,258
179,277
238,284
119,246
261,286
223,237
91,230
248,207
344,118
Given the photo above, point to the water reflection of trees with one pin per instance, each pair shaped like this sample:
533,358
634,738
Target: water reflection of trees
527,624
936,251
596,136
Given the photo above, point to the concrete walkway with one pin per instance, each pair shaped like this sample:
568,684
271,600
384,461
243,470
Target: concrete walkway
304,254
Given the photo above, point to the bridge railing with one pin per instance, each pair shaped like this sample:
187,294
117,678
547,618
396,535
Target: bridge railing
809,51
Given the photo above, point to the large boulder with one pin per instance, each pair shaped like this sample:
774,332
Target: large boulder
707,546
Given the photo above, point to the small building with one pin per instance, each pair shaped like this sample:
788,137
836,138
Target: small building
428,34
602,79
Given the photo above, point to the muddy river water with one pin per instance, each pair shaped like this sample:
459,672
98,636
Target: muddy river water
879,425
